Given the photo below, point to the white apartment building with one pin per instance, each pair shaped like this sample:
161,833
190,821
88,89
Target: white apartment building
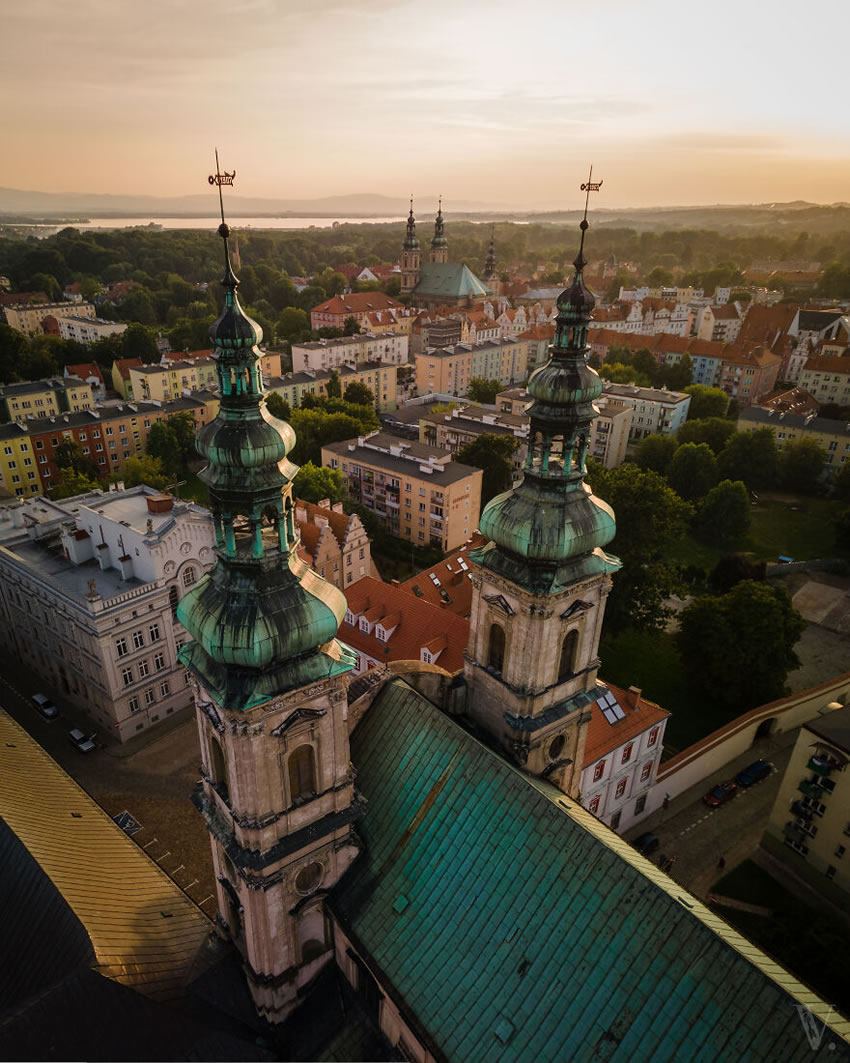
388,348
622,753
29,317
654,409
87,329
609,432
88,591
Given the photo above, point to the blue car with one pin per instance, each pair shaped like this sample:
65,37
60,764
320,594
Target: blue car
753,773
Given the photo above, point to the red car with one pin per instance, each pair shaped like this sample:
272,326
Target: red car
720,794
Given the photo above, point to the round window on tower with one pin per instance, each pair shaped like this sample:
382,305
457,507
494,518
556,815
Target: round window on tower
308,878
556,747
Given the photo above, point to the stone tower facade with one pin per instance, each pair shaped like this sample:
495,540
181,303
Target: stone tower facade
269,679
540,585
411,255
439,243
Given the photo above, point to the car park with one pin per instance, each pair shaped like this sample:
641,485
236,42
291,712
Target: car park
45,706
647,843
753,773
84,742
720,794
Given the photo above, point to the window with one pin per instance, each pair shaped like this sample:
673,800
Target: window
164,690
653,736
127,676
615,820
121,647
159,662
621,788
188,577
646,771
153,631
593,806
640,805
143,669
830,872
598,771
627,753
302,773
567,663
839,852
138,640
149,697
133,704
496,648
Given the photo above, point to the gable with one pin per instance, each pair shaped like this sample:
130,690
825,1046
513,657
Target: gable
480,885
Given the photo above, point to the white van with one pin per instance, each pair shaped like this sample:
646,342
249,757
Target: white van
45,706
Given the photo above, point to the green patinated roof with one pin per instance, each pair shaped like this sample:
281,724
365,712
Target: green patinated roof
448,280
510,924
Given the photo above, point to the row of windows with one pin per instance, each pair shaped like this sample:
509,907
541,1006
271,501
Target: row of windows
149,696
626,756
128,676
138,640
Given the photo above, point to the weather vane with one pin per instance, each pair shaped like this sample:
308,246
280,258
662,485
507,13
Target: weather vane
588,187
225,178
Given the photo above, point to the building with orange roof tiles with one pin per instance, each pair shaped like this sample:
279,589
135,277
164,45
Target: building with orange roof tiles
334,543
333,312
386,623
747,375
447,584
621,755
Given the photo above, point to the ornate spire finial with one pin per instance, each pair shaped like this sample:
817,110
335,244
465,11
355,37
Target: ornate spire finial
588,187
220,179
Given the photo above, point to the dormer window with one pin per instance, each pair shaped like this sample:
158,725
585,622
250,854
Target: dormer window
380,634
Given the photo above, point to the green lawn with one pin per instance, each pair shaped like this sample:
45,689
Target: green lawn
776,531
650,661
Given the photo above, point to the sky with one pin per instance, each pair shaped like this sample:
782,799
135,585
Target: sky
503,103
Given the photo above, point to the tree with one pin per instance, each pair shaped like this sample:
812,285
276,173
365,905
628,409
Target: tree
618,373
183,426
801,464
725,514
350,326
650,517
163,444
293,325
315,483
359,394
481,390
693,471
144,470
47,283
73,483
491,453
733,569
751,457
840,485
677,376
333,388
278,406
656,452
70,456
315,428
740,645
715,431
137,341
706,402
841,524
659,278
645,364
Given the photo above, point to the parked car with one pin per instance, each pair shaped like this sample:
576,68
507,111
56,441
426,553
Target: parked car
753,773
45,706
646,843
720,794
84,743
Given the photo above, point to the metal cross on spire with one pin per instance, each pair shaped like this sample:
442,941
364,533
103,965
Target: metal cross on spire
219,178
588,187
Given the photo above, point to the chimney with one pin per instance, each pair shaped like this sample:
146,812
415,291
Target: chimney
634,697
160,503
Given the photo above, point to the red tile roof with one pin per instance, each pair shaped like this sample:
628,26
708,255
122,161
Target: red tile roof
453,580
85,370
828,363
604,737
338,522
538,332
419,624
125,365
357,303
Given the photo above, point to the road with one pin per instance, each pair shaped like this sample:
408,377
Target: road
696,837
151,777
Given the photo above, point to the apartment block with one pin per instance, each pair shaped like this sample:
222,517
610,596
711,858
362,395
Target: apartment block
29,317
653,409
87,329
88,593
386,348
382,381
417,490
450,369
33,399
833,436
169,380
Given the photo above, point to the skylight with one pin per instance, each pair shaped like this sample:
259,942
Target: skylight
611,708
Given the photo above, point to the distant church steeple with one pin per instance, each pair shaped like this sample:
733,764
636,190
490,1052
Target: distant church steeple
439,243
269,679
541,582
490,265
411,256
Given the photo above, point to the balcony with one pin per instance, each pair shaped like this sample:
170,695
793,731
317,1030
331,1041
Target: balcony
801,811
811,789
820,765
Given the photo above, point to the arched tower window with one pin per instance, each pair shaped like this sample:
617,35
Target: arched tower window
218,768
302,773
496,648
173,599
569,650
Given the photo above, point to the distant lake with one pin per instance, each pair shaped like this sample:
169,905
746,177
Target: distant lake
210,223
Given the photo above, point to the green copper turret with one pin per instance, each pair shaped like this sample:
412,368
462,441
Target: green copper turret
549,531
490,265
439,240
262,621
411,241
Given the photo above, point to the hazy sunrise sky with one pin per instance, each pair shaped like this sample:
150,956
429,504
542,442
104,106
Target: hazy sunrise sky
506,103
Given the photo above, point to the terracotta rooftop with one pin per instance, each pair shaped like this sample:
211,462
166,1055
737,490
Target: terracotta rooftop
419,623
447,584
124,366
827,363
604,737
336,521
85,369
357,303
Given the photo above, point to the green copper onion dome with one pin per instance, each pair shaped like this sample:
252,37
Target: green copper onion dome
262,621
551,529
411,241
439,239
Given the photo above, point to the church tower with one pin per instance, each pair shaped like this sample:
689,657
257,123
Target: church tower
439,243
540,584
269,681
410,255
489,274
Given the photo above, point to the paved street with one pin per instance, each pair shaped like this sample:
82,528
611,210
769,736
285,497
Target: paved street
696,837
150,777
